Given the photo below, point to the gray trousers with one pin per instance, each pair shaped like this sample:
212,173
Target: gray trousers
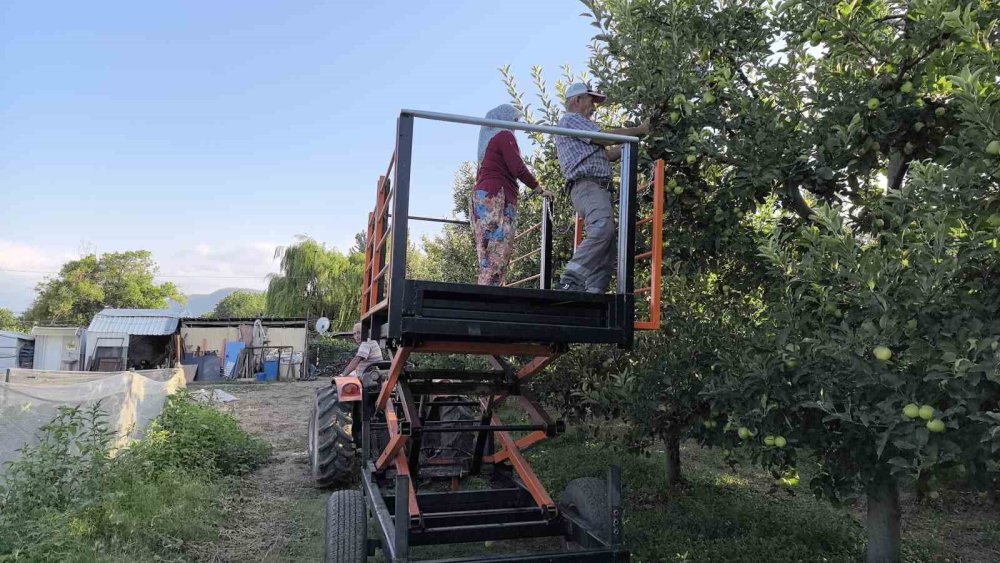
594,260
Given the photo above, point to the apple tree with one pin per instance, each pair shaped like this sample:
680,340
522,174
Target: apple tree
856,142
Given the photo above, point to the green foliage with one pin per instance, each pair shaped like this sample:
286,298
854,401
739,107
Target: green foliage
86,286
72,498
240,304
195,437
450,256
831,165
316,281
10,321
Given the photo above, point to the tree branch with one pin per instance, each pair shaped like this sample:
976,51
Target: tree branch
798,203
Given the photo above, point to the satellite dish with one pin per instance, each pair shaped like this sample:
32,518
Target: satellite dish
322,325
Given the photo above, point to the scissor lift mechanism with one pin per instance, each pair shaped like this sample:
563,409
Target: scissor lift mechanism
536,325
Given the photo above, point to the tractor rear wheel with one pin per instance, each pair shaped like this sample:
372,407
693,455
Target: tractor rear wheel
346,527
331,445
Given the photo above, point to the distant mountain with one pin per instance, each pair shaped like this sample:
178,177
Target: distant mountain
200,303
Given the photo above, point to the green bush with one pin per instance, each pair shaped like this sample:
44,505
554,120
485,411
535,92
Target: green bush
196,437
72,497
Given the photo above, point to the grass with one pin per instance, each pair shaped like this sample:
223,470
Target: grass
733,514
72,498
720,515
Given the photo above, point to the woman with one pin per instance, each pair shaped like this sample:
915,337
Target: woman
493,209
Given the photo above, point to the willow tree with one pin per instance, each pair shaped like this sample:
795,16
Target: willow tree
316,281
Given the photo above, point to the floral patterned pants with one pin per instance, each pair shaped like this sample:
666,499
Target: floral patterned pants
494,222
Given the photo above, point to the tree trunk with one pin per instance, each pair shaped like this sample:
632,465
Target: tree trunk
883,522
672,443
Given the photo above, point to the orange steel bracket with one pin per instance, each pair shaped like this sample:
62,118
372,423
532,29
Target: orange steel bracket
524,471
396,444
397,368
656,254
394,451
536,365
578,232
522,444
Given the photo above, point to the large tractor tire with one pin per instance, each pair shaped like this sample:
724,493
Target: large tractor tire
331,445
587,499
346,527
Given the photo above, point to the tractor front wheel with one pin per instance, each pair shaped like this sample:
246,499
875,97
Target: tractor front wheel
331,445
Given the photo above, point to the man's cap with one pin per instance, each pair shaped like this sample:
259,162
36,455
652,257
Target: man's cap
581,88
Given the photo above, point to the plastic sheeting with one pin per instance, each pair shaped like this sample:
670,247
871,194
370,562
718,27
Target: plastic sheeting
32,399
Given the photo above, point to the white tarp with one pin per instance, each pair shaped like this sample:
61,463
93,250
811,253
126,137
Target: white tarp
32,399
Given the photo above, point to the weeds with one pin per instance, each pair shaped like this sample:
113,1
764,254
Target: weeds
72,498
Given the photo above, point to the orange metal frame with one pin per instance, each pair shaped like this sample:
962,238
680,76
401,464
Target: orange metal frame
512,450
373,282
654,255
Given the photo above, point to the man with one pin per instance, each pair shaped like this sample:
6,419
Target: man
586,164
369,353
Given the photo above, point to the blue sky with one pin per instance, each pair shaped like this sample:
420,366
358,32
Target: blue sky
211,132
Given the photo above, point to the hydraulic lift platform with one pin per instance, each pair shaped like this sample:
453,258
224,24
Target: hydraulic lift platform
518,331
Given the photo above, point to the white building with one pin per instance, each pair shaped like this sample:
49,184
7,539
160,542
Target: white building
59,347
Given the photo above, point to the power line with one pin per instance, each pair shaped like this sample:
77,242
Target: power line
156,275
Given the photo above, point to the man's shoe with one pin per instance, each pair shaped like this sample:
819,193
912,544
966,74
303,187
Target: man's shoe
569,285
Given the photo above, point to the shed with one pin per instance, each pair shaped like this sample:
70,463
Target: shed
59,348
131,339
15,348
206,336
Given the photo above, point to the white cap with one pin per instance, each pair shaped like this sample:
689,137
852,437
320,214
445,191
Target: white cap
581,88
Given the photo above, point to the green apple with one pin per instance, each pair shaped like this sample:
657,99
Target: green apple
743,432
994,220
926,412
873,103
908,148
919,102
768,440
708,98
993,148
815,38
882,353
940,112
678,190
907,87
933,495
691,159
794,481
679,99
918,126
791,363
675,116
780,442
936,425
911,411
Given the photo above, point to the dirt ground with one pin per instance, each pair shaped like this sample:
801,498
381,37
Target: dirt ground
276,514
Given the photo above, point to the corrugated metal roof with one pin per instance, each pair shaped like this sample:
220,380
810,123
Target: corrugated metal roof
151,322
20,335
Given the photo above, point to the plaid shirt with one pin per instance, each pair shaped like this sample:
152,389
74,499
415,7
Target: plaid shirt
577,157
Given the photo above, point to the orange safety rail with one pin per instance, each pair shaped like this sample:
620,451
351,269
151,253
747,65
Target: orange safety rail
373,283
654,255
